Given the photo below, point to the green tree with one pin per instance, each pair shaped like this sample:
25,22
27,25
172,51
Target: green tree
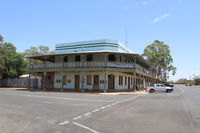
1,56
41,50
1,38
36,51
158,55
197,81
14,63
183,81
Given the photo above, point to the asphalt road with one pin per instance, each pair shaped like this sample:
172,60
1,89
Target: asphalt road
50,112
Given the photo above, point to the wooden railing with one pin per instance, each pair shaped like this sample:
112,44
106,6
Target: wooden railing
89,65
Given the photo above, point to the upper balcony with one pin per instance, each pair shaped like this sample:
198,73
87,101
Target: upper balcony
94,64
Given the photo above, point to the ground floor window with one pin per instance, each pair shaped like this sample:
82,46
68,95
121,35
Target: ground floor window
120,80
125,80
64,79
89,79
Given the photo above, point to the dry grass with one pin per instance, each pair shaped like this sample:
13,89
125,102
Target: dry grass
13,88
125,93
196,85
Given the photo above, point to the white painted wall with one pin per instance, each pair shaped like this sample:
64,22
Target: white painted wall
57,76
71,79
124,86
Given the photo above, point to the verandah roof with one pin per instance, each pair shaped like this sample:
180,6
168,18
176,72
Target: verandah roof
51,58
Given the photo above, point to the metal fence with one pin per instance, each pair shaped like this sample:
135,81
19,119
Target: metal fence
20,83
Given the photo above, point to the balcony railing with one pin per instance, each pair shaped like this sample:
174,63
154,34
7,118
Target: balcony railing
88,65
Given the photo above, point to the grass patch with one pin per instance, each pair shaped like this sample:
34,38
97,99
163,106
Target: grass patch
8,88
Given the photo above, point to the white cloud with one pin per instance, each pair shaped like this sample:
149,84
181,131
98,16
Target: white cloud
180,1
136,4
164,16
144,3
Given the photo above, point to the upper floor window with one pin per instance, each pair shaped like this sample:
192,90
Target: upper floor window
120,58
77,58
89,57
111,57
65,59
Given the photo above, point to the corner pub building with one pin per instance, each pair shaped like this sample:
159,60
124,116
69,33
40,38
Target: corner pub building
99,65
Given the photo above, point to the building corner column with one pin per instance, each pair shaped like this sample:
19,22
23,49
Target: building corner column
44,86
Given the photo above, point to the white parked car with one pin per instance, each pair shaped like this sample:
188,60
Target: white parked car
160,87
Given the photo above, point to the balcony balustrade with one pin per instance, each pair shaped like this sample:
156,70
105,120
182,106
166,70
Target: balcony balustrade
88,65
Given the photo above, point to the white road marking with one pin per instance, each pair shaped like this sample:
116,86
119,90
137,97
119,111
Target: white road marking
185,107
95,110
92,130
129,99
63,98
76,118
103,107
63,123
108,105
176,93
182,91
188,113
113,104
86,114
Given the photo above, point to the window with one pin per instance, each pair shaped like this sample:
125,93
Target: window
89,79
125,80
77,58
120,58
120,80
65,59
89,57
49,77
64,79
111,57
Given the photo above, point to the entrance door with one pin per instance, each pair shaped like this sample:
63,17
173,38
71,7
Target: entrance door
49,80
129,79
111,82
77,81
96,81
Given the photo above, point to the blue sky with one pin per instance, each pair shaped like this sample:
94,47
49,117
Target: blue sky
28,23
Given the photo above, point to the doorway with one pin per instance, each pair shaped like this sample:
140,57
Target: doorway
129,83
111,82
77,81
49,80
96,81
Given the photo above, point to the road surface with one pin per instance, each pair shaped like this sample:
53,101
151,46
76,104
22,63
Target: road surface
50,112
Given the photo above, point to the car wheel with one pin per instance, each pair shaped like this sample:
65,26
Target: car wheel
151,91
167,90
